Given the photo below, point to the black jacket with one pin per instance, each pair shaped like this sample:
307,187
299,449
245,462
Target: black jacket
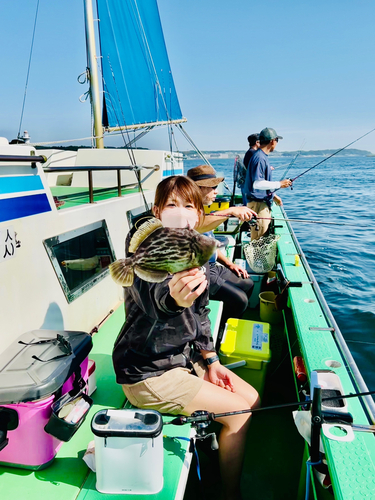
158,335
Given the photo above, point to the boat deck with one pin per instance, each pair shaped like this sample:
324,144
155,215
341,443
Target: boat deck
74,196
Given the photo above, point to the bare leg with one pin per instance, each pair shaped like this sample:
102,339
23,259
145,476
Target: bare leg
233,434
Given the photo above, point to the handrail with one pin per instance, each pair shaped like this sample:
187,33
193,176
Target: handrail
95,168
92,169
23,159
368,401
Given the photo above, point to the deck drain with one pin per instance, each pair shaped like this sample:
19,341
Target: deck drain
331,363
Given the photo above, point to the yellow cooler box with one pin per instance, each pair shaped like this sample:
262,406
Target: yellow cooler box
247,341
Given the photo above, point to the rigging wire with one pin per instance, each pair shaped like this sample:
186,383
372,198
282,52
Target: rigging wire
28,70
330,156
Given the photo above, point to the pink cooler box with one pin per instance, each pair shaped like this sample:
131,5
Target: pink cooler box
38,368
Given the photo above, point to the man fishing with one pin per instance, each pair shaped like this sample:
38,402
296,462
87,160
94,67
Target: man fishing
259,187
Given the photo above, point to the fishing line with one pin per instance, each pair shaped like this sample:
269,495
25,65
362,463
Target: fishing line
333,154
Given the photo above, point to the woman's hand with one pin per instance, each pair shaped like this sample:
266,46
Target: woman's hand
242,213
221,376
186,286
240,271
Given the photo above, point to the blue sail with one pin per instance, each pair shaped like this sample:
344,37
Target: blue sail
137,79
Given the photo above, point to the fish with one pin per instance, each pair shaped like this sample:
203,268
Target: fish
81,264
159,251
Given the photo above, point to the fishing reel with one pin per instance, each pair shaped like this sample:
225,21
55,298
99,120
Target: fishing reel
253,222
200,427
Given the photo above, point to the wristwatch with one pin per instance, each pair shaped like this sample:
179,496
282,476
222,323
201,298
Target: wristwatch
212,359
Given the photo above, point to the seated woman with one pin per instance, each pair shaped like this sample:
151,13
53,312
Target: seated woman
164,356
229,283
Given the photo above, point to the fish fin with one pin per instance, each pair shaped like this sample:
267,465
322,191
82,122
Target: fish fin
143,232
150,275
122,273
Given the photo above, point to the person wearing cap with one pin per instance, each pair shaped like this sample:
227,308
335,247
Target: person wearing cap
205,176
229,283
259,188
254,145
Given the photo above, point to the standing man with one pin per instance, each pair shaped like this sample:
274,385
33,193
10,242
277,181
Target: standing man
254,145
259,187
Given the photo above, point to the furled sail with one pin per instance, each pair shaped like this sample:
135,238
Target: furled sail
137,79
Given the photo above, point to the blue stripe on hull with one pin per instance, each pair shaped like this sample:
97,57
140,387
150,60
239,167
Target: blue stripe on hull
23,206
167,173
20,183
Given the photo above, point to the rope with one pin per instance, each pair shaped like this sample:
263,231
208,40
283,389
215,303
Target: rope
28,69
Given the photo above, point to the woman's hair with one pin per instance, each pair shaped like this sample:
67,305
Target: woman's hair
181,186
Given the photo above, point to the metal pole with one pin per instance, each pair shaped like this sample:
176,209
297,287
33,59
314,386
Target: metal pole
91,187
93,77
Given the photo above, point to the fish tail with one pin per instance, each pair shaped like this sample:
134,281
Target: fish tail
122,272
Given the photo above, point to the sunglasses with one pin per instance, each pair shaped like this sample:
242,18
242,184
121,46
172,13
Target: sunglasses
277,139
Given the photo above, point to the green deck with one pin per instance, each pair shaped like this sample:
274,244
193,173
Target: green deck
74,196
353,474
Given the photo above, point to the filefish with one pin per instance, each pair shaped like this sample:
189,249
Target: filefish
81,264
159,251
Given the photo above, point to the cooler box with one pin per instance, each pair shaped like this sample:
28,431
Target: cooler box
247,341
219,204
129,451
40,367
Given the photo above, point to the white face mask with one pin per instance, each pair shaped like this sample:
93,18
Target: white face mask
179,217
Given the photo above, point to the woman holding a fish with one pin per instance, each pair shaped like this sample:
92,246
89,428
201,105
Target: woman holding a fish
164,356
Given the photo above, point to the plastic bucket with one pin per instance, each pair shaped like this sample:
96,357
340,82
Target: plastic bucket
268,311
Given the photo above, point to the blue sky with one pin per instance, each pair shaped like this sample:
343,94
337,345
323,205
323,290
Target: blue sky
305,68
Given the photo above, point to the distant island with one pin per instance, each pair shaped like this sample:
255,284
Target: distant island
192,155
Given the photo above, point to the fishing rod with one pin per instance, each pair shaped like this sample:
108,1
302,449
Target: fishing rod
333,154
293,161
207,416
308,221
235,175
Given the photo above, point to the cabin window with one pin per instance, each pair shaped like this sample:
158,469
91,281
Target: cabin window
81,257
136,214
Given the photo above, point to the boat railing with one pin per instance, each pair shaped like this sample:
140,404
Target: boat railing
361,384
42,159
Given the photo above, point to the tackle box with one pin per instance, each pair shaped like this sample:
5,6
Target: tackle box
38,369
247,341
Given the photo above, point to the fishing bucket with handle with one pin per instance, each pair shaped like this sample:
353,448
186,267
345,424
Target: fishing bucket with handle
37,369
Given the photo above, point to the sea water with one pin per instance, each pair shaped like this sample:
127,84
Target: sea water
342,258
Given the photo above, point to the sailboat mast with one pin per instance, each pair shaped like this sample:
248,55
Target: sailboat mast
94,81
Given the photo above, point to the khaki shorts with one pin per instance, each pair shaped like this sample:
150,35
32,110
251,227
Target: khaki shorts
262,210
170,392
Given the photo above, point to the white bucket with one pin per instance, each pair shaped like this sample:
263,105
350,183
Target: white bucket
128,451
